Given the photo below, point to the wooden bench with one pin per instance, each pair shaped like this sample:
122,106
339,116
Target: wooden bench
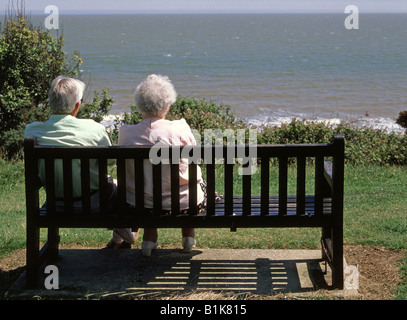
324,208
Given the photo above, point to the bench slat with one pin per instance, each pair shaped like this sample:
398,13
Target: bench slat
210,188
139,184
85,186
282,184
228,183
247,191
265,185
301,175
50,181
68,187
192,188
157,189
273,206
103,187
121,185
319,176
175,205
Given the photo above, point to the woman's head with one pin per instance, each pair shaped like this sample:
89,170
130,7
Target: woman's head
155,95
65,94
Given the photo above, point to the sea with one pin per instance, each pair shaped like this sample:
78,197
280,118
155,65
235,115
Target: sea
269,68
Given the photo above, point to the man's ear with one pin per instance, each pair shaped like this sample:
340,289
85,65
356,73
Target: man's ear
76,109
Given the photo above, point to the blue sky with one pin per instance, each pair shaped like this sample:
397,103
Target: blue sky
123,6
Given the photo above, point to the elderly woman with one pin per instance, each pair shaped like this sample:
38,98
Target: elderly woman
154,97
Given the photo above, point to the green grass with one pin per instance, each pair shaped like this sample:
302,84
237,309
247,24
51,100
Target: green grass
375,208
12,207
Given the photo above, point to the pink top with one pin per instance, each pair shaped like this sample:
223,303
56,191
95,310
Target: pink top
149,132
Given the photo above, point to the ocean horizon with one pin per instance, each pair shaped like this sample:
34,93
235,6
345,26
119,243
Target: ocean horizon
269,68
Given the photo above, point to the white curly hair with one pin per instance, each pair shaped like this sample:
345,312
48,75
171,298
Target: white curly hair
155,95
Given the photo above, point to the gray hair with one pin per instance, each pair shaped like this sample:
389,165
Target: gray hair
155,95
64,94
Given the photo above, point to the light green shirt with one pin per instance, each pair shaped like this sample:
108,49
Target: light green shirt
66,130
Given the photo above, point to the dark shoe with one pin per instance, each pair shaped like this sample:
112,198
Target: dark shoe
114,245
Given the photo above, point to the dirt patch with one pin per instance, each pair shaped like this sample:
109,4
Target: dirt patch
379,274
379,270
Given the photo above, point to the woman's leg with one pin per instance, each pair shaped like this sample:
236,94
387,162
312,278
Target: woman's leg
150,237
188,239
150,234
122,238
188,232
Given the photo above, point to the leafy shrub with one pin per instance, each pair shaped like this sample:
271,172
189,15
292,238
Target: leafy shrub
372,146
296,131
363,145
98,109
30,58
201,114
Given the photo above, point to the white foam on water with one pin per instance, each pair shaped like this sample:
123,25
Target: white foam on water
385,124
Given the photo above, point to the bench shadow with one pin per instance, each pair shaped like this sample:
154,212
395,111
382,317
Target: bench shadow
7,278
126,274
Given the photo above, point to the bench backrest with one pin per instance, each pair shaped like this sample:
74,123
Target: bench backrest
210,154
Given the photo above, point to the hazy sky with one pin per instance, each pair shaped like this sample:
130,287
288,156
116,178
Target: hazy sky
85,6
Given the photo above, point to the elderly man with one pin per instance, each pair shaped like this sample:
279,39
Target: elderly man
64,129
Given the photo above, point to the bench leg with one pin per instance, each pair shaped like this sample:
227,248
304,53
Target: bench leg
332,251
337,258
32,257
53,243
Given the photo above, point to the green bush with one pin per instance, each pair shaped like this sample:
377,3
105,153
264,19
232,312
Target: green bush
201,114
296,131
98,109
30,58
363,145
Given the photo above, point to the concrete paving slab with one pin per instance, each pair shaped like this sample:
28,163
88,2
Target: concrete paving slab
119,274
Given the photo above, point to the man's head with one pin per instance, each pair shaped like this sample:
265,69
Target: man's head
65,95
